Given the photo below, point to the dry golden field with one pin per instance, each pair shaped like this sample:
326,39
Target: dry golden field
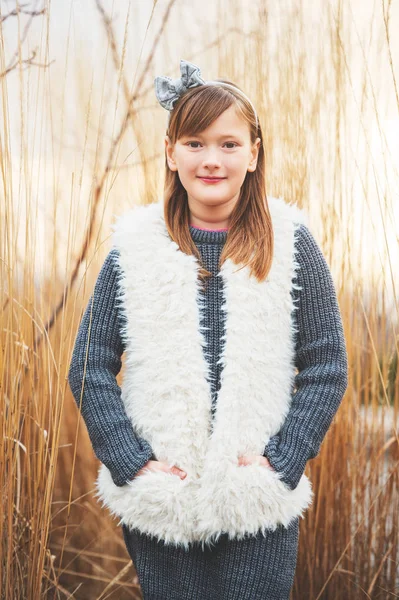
81,139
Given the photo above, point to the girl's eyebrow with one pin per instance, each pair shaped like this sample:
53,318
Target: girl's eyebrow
222,137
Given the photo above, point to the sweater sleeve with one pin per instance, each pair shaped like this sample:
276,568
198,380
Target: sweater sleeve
95,363
321,360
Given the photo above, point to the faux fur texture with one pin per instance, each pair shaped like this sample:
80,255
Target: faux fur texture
167,395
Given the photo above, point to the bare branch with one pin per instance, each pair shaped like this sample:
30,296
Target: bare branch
99,186
20,9
27,61
14,58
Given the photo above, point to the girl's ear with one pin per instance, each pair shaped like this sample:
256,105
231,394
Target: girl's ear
254,155
170,154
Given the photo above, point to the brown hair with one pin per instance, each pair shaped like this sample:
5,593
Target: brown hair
250,238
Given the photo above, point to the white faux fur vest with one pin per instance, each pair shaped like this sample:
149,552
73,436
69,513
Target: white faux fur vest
168,398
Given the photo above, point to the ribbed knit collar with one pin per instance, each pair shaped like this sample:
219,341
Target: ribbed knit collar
207,236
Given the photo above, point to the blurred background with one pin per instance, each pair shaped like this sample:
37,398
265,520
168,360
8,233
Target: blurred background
81,140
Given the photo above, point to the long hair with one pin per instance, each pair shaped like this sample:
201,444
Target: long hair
250,239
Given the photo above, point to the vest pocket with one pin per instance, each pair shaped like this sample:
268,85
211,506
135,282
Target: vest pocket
242,500
157,503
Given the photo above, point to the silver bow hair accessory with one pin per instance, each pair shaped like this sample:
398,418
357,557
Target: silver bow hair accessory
168,90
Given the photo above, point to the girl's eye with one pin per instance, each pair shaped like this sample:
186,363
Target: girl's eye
232,144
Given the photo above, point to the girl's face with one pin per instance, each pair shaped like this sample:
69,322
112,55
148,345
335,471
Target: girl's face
223,151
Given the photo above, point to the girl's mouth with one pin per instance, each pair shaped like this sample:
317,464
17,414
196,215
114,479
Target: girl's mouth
212,180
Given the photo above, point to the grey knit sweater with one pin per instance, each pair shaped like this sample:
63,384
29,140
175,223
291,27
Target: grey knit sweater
321,360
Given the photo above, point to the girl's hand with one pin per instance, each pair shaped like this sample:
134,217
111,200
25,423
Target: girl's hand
249,459
158,465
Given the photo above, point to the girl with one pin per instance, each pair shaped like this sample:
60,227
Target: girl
216,294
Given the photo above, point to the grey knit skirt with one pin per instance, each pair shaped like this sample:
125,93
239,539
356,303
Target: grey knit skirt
254,568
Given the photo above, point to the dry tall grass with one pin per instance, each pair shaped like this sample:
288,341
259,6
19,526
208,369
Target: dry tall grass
75,150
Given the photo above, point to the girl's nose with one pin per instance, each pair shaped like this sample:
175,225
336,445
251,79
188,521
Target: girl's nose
211,159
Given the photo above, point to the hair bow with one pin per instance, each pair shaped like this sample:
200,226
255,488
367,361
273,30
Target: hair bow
169,90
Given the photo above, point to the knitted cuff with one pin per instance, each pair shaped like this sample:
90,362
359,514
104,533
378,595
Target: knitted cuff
122,474
289,462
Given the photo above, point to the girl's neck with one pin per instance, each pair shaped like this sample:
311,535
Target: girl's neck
203,229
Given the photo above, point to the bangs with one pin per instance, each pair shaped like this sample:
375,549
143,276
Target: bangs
198,109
